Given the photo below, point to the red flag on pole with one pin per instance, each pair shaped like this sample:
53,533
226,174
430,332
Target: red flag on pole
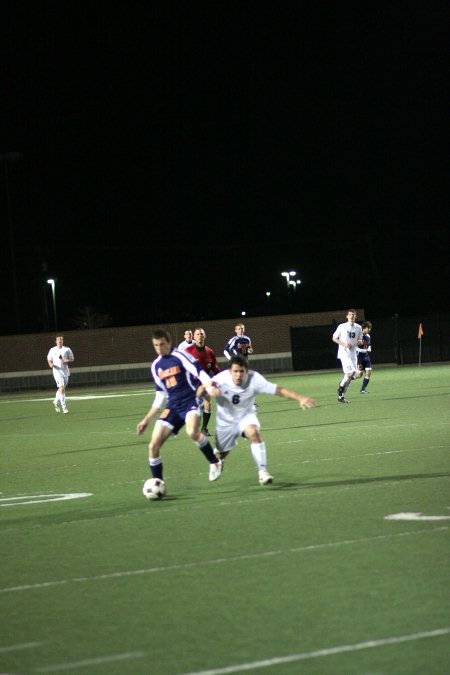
419,337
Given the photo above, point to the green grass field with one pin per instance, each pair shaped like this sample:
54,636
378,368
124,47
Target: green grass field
307,575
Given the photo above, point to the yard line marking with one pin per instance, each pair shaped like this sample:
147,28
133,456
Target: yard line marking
90,662
20,646
340,649
203,563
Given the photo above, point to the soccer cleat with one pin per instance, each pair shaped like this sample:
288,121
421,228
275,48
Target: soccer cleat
265,478
56,406
205,431
363,391
341,399
215,471
65,411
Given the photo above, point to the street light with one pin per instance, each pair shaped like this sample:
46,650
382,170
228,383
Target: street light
290,283
52,284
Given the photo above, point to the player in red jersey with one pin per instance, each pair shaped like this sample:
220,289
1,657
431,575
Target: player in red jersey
207,359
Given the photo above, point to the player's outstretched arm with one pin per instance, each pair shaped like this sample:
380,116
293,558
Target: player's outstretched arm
304,401
211,388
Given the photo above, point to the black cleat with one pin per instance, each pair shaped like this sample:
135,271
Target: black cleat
341,399
205,431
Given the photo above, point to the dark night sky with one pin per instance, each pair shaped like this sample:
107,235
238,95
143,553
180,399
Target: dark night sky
177,157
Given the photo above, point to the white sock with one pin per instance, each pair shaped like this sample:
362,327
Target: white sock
259,455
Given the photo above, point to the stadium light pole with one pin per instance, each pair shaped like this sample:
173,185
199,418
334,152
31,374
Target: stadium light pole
290,283
7,157
52,284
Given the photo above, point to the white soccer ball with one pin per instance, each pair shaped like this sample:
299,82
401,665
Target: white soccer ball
154,488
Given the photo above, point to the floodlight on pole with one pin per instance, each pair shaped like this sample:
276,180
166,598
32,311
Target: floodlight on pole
290,283
52,284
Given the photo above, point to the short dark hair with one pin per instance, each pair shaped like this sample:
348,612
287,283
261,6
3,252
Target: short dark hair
159,333
366,324
238,360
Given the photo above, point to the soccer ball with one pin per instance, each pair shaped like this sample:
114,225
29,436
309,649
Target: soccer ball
154,488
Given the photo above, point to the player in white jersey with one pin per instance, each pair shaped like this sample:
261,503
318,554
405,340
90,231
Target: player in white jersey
188,340
58,359
348,336
235,390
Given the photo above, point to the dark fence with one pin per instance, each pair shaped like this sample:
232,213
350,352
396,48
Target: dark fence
394,340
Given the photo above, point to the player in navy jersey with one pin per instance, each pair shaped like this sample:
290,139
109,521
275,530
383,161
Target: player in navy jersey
364,361
177,377
207,360
239,343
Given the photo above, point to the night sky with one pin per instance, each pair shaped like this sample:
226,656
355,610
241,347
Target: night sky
167,161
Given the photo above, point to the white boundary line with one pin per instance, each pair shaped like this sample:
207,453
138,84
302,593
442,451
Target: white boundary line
90,662
340,649
216,561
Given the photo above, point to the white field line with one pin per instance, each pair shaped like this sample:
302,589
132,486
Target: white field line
217,561
330,651
358,455
90,397
98,661
81,397
40,499
18,647
414,516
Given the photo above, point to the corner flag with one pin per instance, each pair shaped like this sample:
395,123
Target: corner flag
420,332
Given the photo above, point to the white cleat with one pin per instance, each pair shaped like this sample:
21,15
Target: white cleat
215,471
265,478
65,411
56,406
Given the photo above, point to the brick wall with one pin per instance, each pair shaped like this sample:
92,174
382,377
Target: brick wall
129,345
